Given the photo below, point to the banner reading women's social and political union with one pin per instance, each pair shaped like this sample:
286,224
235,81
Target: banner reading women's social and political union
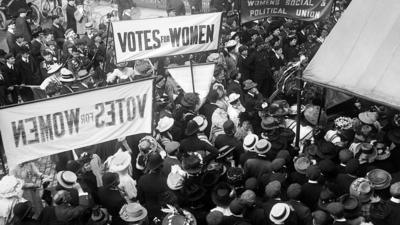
34,130
149,38
308,10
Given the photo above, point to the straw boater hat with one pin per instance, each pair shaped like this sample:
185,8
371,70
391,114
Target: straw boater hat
10,186
66,76
83,74
230,43
165,124
54,68
133,212
262,146
233,97
119,161
66,179
201,121
250,142
279,213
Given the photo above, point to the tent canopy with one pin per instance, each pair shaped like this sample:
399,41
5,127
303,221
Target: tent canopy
361,55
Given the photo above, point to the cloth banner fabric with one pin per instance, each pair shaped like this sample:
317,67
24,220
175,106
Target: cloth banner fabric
307,10
202,74
33,130
150,38
361,55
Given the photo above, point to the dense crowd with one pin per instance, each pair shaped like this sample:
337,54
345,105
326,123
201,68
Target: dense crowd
229,159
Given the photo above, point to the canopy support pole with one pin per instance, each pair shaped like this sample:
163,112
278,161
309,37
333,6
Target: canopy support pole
299,91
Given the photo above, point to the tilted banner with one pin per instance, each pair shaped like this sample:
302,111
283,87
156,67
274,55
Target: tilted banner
33,130
150,38
307,10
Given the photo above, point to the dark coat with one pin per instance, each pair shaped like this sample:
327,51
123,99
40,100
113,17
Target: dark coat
310,194
29,73
35,50
10,38
167,164
113,201
343,182
11,77
244,67
256,215
71,21
303,212
259,60
193,143
22,27
235,87
393,216
224,139
58,33
207,110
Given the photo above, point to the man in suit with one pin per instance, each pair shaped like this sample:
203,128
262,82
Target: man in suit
302,211
37,44
71,21
10,75
393,212
175,8
19,44
22,26
228,138
28,68
58,30
312,189
10,35
344,180
242,64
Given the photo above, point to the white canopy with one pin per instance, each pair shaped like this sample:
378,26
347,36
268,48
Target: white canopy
361,55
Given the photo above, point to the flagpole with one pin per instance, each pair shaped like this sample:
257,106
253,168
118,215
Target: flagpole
191,73
299,89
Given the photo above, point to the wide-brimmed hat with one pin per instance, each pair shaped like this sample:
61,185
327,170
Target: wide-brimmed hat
301,164
293,109
235,175
213,57
362,189
379,178
165,124
192,127
66,179
262,146
233,97
279,213
249,84
100,216
133,212
367,150
22,210
269,123
190,100
192,164
54,68
120,161
344,123
221,194
382,150
10,186
250,142
394,135
311,114
279,108
230,43
194,193
326,150
351,206
201,121
186,218
83,74
368,117
66,76
175,181
110,179
171,146
147,144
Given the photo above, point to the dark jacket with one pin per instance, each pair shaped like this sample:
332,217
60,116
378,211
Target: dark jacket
393,216
113,201
35,50
193,144
59,33
29,73
343,182
303,212
244,67
22,27
310,194
207,110
10,37
71,21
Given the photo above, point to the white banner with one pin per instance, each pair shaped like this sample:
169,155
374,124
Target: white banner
34,130
149,38
202,77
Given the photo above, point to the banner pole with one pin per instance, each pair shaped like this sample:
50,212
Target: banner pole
322,103
191,73
108,34
299,90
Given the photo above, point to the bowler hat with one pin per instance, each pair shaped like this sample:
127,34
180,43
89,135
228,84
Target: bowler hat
326,150
110,179
22,10
351,206
313,172
325,198
269,123
345,155
294,191
336,209
273,189
192,164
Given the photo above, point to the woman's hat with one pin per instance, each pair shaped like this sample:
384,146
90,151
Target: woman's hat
279,213
147,144
192,127
171,147
383,151
249,84
175,181
190,100
269,123
83,74
250,142
221,194
22,209
178,219
262,146
301,164
368,117
344,123
133,212
362,189
379,178
201,121
10,186
230,43
293,109
233,97
311,114
279,108
110,179
165,124
213,57
99,216
54,68
66,179
367,150
66,76
351,206
192,164
119,161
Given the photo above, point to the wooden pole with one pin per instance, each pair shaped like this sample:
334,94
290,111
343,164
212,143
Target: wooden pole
191,73
299,90
108,34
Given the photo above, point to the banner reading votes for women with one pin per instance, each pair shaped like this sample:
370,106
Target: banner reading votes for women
308,10
43,128
149,38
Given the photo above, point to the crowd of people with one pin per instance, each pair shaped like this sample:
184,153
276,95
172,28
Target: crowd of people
232,159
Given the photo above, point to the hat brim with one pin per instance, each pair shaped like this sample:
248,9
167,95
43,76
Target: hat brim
265,150
282,220
166,126
203,126
66,80
224,151
123,166
136,219
61,182
252,85
84,77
